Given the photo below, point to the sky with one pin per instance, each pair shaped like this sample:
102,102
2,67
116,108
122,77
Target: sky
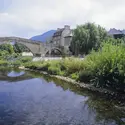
27,18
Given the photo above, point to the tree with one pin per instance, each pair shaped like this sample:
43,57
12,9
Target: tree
3,53
7,47
87,37
19,48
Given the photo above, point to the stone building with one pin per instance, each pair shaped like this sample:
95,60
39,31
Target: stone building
62,38
116,33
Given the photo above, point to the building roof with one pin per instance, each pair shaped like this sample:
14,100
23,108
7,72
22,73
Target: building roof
114,32
58,32
123,31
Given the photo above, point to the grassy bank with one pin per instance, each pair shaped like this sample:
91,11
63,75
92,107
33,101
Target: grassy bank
13,60
104,68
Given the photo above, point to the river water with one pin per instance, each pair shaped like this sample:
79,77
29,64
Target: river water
28,98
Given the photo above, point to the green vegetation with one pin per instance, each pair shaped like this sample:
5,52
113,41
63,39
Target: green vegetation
10,49
63,67
20,61
19,48
9,57
3,53
7,48
14,60
87,37
106,67
103,68
3,63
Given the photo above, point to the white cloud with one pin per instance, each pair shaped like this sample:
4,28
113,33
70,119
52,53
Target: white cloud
26,18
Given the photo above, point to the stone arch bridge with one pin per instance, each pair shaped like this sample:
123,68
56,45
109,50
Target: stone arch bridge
36,47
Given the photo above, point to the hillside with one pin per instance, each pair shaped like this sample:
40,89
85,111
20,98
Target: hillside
44,37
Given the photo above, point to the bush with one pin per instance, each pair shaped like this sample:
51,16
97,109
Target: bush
3,63
105,68
3,53
85,76
53,70
39,65
71,65
43,66
74,76
62,73
16,63
26,59
32,65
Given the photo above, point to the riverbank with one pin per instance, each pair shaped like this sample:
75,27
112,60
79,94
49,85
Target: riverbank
102,70
89,87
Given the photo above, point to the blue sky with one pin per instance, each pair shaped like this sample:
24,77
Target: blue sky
26,18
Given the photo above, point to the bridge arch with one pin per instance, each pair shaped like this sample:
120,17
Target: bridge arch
53,51
34,46
17,43
25,46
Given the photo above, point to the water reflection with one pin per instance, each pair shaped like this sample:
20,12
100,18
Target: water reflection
15,74
104,108
43,100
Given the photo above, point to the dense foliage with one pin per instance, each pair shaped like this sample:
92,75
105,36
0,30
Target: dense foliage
19,48
87,37
106,67
6,48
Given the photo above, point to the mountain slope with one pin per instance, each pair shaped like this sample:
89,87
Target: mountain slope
44,37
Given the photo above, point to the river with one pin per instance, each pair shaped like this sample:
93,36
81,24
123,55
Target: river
28,98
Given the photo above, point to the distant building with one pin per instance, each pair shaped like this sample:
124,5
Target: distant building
116,33
62,37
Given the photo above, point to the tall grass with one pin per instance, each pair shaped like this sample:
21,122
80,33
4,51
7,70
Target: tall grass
102,68
105,68
3,62
64,67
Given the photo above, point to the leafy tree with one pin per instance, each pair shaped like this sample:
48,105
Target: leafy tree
7,47
87,37
19,48
3,53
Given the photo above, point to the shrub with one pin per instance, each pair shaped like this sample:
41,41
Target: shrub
105,68
85,76
53,70
3,53
26,59
43,66
74,76
16,63
71,65
3,63
62,73
32,65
